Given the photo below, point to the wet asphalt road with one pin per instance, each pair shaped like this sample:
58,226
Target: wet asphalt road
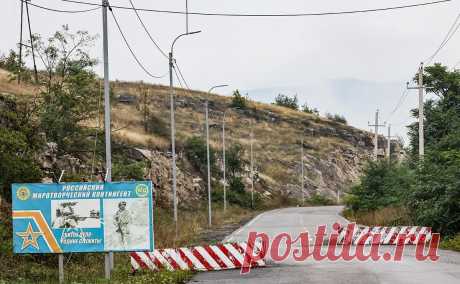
295,220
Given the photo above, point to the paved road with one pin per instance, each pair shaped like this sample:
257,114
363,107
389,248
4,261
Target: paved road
296,220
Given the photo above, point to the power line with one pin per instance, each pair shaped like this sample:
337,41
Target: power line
131,50
452,30
178,78
180,73
60,11
400,101
146,30
267,15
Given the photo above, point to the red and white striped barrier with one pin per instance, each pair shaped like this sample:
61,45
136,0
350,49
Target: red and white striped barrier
388,235
200,258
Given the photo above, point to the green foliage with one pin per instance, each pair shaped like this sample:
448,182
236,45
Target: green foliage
195,150
238,100
236,184
234,160
452,243
337,118
10,63
70,94
287,101
435,197
19,145
382,184
307,109
319,200
123,171
236,195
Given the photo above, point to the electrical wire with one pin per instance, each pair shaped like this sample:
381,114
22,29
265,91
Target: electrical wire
146,30
178,78
180,73
131,50
60,11
267,15
452,30
398,105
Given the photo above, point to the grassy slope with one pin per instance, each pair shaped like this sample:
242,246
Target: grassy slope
276,143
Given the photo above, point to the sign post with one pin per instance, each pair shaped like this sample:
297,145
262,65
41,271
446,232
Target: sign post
82,217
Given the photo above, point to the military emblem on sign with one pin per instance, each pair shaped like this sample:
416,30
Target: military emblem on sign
142,190
29,237
23,193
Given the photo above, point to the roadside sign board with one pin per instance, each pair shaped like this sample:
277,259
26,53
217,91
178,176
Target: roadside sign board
82,217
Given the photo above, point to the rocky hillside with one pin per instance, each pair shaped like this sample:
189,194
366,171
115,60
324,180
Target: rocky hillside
334,153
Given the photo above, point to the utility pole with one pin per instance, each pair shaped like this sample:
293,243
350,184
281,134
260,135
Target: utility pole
302,171
224,162
173,124
389,143
421,116
20,44
209,164
208,155
376,137
252,170
108,151
31,42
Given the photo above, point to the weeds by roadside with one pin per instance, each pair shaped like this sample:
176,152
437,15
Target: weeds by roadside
89,268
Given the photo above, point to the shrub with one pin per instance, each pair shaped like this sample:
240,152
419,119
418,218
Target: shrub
287,101
337,118
196,152
133,171
238,101
381,185
318,200
452,243
434,199
307,109
236,185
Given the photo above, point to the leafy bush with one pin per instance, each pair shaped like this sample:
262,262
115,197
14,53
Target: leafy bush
237,197
196,152
287,101
307,109
435,197
19,145
236,185
234,160
133,171
452,243
238,101
319,200
337,118
382,184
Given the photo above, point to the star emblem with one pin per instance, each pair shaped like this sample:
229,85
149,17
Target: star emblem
29,237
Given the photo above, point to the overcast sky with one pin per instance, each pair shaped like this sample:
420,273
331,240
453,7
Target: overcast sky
347,64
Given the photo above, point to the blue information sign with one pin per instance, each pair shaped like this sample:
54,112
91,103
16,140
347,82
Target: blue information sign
82,217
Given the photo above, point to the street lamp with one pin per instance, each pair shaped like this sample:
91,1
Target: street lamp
173,134
207,153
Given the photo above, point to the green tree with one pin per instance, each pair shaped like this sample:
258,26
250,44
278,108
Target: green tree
238,100
435,197
70,88
19,145
382,184
287,101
